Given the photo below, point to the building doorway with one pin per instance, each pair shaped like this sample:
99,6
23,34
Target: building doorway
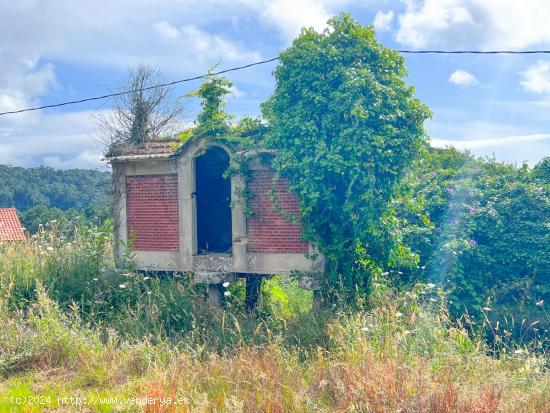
213,201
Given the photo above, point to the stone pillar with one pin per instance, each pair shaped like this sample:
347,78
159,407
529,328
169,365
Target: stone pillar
318,301
253,290
240,240
215,295
119,212
313,284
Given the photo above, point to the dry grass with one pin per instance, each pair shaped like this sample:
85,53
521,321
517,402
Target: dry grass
268,380
401,355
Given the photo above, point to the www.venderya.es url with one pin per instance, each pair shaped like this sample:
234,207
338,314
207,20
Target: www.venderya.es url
98,400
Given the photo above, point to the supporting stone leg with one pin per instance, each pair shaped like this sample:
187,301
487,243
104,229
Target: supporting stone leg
215,295
317,301
253,288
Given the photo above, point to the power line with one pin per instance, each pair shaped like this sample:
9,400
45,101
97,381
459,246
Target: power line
233,69
125,92
475,51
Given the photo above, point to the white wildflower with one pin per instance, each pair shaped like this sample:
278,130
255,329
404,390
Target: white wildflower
430,285
398,314
122,286
225,284
227,293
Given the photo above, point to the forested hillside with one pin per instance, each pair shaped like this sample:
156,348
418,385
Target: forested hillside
43,194
64,189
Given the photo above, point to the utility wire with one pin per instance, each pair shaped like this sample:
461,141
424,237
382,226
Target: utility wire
474,51
233,69
125,92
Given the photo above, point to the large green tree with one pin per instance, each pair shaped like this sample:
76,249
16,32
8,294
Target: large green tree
345,127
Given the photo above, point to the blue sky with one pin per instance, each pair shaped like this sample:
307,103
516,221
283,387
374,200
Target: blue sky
56,50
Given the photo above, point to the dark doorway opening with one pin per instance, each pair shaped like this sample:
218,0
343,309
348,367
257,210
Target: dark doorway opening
213,193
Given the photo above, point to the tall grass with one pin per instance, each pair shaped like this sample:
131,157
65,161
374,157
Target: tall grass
71,325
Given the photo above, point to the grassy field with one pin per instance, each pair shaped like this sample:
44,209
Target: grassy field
77,335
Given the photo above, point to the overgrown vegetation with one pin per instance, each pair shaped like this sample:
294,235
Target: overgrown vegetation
345,127
480,229
436,285
72,326
143,112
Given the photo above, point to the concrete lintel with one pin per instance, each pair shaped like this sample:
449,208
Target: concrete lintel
205,277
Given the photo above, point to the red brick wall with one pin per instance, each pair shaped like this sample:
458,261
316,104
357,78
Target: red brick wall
268,232
152,212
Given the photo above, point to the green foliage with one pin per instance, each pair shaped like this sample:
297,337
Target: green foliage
285,298
78,189
40,215
480,228
127,333
63,258
213,121
217,126
402,353
345,127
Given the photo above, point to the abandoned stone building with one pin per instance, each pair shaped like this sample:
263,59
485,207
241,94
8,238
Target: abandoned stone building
178,212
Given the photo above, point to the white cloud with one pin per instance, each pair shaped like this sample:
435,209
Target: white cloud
531,148
200,46
462,78
22,80
61,140
289,16
474,23
114,33
85,159
236,92
490,142
515,142
166,30
382,21
536,78
170,34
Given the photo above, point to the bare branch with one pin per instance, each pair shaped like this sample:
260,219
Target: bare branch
141,115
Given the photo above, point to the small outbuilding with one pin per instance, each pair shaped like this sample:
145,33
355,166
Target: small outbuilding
177,211
10,226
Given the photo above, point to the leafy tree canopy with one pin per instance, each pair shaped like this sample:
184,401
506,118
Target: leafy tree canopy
345,127
23,188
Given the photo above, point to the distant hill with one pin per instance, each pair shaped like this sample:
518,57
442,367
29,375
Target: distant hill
77,189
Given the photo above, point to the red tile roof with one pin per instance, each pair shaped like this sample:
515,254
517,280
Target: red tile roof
151,147
10,227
